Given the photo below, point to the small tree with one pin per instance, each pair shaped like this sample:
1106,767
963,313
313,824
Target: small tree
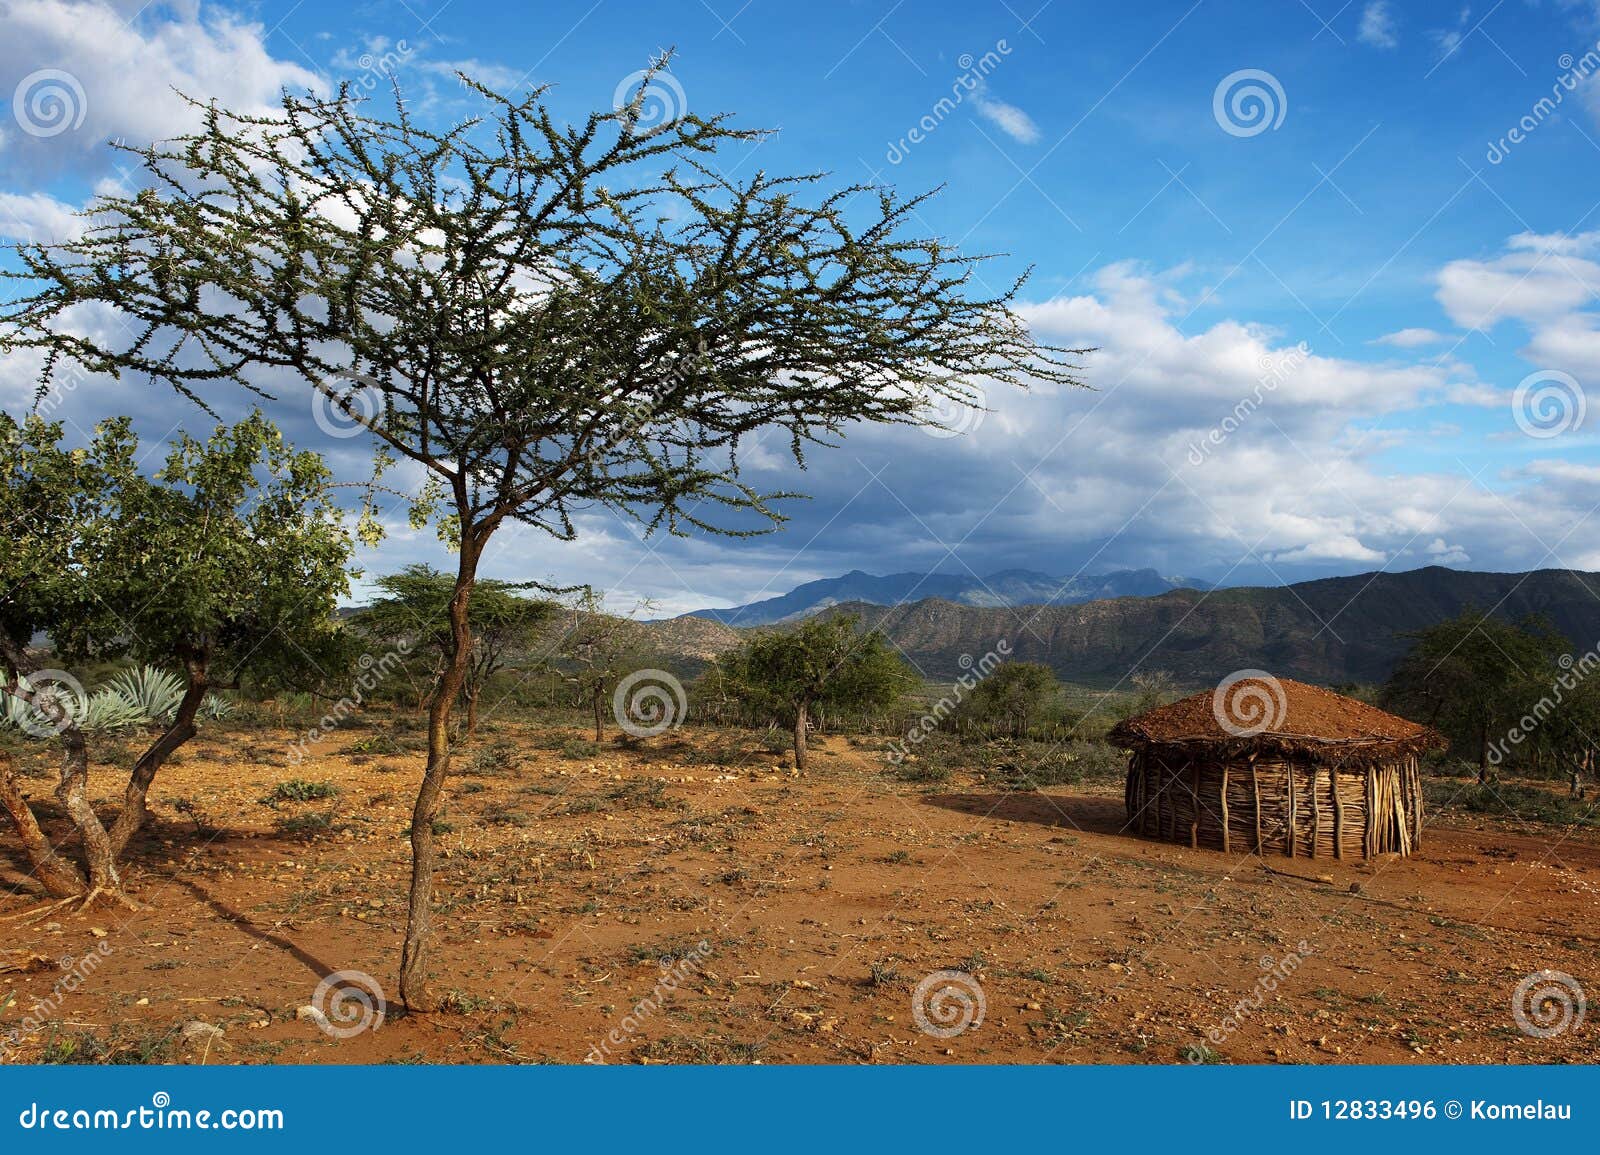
600,648
539,317
226,565
824,661
1473,676
1013,697
416,611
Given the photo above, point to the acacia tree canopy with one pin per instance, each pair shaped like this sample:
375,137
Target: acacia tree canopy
540,316
1472,676
822,661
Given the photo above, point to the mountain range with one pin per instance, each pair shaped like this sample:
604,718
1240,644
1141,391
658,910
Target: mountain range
1329,631
1012,587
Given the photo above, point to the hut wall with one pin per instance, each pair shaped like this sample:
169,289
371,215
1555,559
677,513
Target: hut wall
1291,806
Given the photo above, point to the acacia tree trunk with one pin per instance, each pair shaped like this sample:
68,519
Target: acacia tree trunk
800,736
132,816
59,877
414,990
73,793
599,704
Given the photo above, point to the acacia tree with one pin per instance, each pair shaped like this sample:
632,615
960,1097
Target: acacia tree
226,564
540,317
824,661
416,610
601,648
1472,677
1015,695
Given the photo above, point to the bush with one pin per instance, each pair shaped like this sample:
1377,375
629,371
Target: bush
299,790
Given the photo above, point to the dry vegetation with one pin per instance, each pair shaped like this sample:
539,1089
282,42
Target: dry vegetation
572,870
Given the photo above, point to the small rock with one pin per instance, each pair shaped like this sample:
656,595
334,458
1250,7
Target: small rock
312,1013
198,1033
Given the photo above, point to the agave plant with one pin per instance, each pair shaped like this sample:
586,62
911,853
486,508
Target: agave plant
153,692
61,691
106,711
216,707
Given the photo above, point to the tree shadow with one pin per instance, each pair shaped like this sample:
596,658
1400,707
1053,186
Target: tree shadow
242,922
1089,815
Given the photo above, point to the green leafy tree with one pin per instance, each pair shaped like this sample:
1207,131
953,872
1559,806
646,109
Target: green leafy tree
538,317
1013,698
824,661
227,564
415,612
1473,676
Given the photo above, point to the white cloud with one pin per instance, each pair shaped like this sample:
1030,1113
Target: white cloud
38,218
1008,118
112,71
1537,280
501,78
1410,338
1377,25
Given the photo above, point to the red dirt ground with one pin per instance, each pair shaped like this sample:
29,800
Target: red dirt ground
823,900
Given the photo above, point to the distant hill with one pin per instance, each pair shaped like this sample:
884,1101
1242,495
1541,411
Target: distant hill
1012,587
1334,630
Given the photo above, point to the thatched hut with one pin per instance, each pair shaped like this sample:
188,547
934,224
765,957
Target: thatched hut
1269,764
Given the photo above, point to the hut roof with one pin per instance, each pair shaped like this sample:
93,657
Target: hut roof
1258,709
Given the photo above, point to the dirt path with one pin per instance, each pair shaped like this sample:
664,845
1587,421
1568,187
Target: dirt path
822,902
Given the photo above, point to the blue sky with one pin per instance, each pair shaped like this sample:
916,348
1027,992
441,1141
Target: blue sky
1314,309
